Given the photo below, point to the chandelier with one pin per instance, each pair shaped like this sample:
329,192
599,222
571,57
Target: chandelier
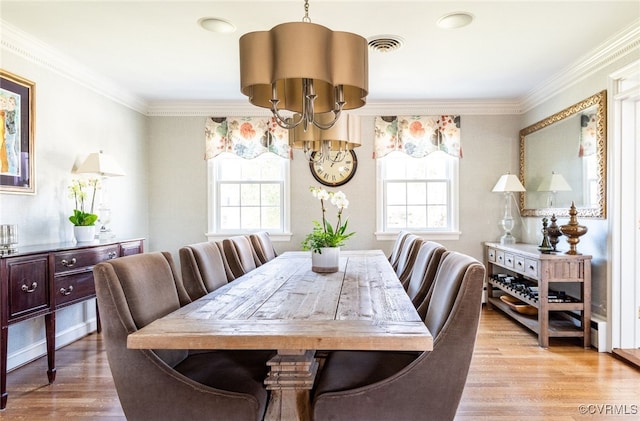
330,144
306,69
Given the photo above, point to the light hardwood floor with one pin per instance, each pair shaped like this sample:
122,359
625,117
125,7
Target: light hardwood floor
511,378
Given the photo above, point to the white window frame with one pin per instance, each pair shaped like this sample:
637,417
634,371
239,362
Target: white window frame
215,234
452,233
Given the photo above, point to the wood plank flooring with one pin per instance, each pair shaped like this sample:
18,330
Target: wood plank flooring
511,378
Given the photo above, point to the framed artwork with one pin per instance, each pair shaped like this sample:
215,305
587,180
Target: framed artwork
17,115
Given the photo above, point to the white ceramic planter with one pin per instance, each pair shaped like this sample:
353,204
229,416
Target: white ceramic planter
326,262
85,233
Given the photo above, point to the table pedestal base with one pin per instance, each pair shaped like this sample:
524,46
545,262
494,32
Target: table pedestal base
290,379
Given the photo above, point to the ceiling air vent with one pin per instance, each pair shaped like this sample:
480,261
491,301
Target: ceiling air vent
385,43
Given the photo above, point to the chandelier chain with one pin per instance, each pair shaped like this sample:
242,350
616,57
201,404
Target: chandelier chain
306,17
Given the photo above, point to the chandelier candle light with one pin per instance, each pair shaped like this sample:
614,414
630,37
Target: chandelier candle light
306,69
507,184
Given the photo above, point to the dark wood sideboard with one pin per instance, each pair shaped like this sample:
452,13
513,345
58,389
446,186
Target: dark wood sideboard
38,280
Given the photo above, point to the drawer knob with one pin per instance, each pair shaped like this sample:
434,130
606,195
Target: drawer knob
27,289
531,267
66,291
113,255
68,263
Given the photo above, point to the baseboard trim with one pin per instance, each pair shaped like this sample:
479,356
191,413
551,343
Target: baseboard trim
39,349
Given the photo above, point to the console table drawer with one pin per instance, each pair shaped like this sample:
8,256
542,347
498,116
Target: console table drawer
74,260
28,285
531,268
72,288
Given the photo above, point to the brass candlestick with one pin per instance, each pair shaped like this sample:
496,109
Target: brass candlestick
573,231
553,231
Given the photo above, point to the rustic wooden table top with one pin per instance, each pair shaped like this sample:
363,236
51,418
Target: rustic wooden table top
284,305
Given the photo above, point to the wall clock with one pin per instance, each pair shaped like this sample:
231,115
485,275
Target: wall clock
337,173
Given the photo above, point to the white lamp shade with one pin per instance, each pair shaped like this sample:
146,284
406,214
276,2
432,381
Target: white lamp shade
508,183
554,182
100,163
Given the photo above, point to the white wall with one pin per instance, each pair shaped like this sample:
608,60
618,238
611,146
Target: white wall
72,121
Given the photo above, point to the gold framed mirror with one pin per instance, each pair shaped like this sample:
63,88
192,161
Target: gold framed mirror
563,159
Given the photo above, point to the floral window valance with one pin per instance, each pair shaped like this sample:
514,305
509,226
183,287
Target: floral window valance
247,137
417,136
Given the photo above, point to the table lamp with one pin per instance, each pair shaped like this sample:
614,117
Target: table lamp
105,166
507,184
553,183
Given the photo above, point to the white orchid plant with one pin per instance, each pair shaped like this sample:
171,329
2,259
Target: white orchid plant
324,234
79,190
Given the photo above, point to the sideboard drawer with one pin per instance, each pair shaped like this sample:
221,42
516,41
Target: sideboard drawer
28,285
531,268
73,260
491,254
72,288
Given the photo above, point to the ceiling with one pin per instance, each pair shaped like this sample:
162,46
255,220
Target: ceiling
157,52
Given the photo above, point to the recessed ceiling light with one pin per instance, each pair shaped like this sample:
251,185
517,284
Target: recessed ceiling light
218,25
455,20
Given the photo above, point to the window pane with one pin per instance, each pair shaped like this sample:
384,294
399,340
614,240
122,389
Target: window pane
436,166
396,193
437,193
250,194
270,194
229,217
229,167
229,195
250,217
416,193
396,217
395,168
416,216
416,168
271,217
437,217
271,170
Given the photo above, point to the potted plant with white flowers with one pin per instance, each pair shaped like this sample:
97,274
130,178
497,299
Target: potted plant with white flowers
325,240
83,218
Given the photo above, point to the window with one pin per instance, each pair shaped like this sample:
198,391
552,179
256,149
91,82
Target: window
248,195
418,194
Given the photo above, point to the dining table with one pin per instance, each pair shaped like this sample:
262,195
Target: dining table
286,307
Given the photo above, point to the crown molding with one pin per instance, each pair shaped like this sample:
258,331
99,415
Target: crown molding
626,41
211,108
29,48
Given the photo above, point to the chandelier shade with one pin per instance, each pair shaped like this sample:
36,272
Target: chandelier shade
304,68
342,136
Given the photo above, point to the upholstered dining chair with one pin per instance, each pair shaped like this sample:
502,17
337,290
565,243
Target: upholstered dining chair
369,386
263,246
203,268
407,257
423,272
170,385
239,254
397,246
